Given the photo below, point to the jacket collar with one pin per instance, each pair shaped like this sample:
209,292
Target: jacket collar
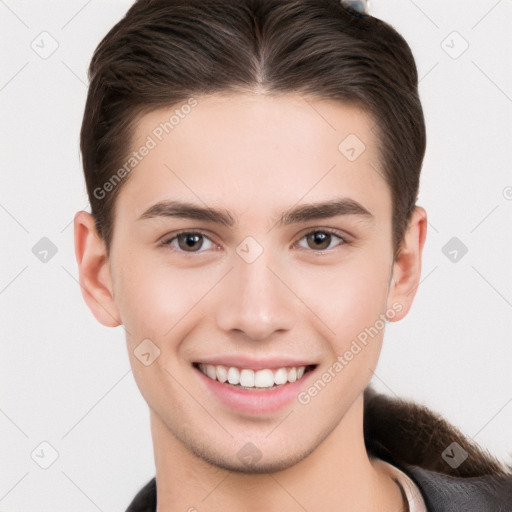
417,441
441,493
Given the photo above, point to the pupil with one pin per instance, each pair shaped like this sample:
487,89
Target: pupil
190,240
321,238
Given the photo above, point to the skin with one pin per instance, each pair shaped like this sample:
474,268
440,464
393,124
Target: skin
255,155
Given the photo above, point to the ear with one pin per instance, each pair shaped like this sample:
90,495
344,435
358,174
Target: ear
94,271
406,272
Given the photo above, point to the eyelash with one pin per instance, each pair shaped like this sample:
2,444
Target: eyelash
167,242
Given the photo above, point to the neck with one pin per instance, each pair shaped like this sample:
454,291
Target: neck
337,475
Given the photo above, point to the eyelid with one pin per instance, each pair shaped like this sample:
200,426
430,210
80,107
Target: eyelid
167,239
345,239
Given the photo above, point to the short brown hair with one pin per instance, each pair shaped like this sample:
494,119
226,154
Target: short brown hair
165,51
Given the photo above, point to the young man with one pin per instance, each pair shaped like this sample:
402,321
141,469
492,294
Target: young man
253,171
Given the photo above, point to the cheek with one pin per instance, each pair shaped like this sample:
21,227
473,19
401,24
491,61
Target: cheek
158,303
353,306
155,300
347,299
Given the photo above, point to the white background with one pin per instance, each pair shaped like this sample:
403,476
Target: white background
66,380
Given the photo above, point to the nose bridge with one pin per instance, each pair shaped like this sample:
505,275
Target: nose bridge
254,299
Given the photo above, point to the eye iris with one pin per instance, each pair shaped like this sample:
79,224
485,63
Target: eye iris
320,238
187,241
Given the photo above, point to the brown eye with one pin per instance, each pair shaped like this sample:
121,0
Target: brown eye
189,242
321,240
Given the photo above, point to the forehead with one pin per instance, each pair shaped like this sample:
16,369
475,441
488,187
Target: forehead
252,149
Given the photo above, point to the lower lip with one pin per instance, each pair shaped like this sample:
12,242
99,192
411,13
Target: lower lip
253,401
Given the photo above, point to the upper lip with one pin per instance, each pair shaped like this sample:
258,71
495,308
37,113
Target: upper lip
255,364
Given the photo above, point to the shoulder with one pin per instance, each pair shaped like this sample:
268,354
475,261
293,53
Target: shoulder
420,443
445,493
441,493
145,500
451,470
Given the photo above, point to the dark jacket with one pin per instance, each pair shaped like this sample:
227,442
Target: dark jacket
458,477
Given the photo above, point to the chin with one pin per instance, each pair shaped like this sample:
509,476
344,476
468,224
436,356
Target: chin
249,459
263,466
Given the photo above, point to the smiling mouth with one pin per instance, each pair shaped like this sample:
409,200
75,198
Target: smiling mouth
245,378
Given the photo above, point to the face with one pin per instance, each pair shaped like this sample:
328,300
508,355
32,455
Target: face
263,287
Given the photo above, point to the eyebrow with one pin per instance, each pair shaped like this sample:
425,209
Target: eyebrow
302,213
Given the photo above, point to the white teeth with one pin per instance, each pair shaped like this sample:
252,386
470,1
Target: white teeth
233,376
210,371
264,379
248,378
281,376
222,373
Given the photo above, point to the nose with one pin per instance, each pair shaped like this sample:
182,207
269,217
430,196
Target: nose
256,299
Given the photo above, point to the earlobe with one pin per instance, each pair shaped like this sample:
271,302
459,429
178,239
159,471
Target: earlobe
94,272
406,273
